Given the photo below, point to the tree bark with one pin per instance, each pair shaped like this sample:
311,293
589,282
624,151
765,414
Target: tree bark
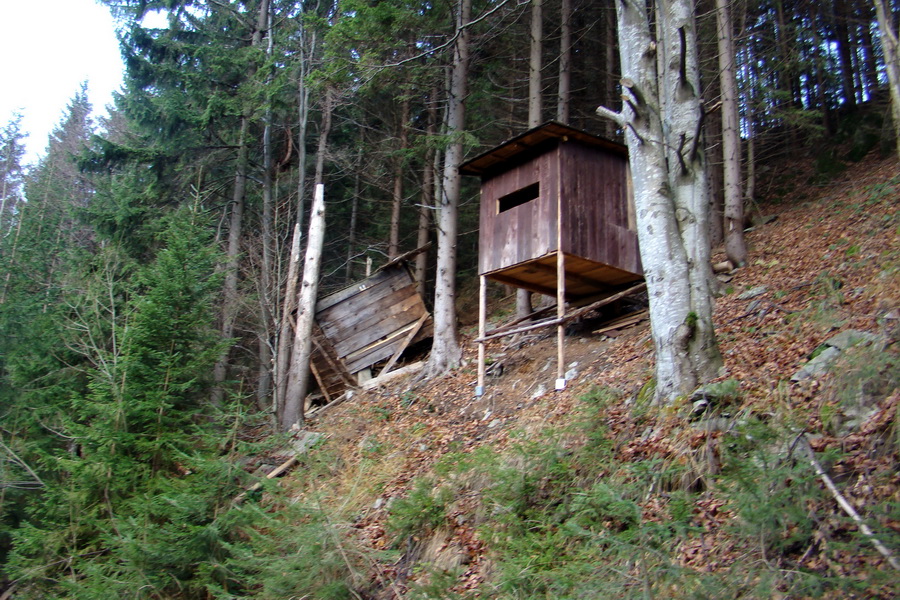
564,92
298,380
662,118
354,212
735,248
432,163
534,63
446,352
845,51
397,196
535,109
230,287
267,323
891,48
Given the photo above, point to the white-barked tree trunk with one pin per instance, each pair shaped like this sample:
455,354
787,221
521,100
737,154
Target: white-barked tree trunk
662,117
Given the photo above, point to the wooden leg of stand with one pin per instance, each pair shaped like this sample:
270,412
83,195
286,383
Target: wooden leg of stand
482,318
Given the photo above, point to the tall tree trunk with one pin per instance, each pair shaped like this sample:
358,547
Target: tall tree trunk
845,51
610,58
298,381
891,48
285,361
868,48
446,352
230,287
432,163
303,118
397,195
267,288
285,339
735,248
535,106
564,91
354,212
535,64
662,119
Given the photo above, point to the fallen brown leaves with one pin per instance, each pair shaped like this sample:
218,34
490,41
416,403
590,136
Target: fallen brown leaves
824,264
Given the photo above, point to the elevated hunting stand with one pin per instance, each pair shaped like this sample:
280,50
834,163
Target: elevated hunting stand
557,218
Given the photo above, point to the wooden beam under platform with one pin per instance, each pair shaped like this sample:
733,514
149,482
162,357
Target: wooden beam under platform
504,330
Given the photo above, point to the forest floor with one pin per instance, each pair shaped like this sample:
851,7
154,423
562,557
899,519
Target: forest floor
826,259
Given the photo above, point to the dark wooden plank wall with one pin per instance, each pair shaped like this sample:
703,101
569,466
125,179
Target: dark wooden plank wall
595,207
358,317
526,231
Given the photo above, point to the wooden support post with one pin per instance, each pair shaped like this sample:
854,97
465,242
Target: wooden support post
560,280
560,316
482,318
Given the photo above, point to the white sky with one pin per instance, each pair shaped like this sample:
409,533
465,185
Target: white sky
47,48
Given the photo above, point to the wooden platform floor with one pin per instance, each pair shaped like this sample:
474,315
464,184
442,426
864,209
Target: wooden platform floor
584,278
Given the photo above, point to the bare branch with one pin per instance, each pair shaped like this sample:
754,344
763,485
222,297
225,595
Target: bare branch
452,39
613,116
844,504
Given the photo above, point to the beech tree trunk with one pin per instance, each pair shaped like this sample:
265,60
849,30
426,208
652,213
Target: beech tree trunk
891,48
298,378
445,351
662,118
735,248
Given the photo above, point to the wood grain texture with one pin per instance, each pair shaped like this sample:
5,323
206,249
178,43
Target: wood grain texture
584,184
365,323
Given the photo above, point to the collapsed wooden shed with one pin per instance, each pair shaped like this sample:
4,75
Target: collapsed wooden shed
556,218
371,321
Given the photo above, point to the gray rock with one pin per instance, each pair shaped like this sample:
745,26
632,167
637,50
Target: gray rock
757,291
851,337
817,366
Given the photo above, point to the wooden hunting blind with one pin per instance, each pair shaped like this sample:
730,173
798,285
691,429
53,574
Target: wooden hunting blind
550,190
557,218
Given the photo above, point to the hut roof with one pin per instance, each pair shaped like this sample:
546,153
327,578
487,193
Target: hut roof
526,145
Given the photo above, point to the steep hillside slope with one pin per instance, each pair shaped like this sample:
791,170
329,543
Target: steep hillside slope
423,491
